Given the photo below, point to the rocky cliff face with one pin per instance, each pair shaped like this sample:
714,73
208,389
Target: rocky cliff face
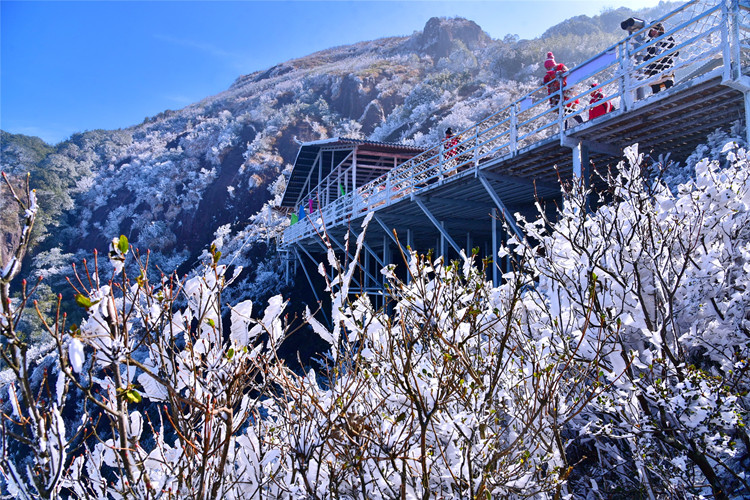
19,155
441,37
185,178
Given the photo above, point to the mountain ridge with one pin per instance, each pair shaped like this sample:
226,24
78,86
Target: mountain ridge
175,181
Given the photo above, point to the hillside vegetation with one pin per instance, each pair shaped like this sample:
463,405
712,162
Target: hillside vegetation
172,182
610,363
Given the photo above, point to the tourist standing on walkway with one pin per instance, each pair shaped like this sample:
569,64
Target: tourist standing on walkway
554,79
662,64
449,143
637,39
599,109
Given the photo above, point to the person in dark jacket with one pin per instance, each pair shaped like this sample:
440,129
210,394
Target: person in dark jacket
661,65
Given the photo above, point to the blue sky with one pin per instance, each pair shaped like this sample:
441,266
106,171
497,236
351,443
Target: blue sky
66,67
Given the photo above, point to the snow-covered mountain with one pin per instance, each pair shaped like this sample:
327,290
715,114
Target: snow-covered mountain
612,364
183,179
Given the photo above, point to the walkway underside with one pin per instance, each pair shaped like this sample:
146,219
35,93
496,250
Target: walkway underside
464,193
466,210
675,124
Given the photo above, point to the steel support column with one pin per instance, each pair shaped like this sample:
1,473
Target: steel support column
386,252
442,239
507,216
581,161
581,170
350,256
410,245
437,224
309,281
354,170
286,268
495,263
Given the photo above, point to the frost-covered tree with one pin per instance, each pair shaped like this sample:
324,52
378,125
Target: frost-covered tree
613,359
34,438
653,289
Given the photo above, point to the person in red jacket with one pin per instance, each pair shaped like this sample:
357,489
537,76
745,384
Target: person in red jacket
553,79
601,109
449,143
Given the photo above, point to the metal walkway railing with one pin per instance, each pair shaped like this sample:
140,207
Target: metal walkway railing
712,38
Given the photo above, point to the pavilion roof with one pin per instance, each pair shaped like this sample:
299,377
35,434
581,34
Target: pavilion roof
339,148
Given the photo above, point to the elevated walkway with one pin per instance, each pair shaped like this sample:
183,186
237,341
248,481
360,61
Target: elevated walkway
457,197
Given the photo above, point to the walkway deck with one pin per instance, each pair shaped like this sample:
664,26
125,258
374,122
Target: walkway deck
443,201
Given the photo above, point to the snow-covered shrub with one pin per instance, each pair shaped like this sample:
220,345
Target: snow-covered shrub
441,397
653,292
613,360
674,173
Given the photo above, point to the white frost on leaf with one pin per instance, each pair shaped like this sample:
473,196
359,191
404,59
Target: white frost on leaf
241,318
152,389
75,354
318,327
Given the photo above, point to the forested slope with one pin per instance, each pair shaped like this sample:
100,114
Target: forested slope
170,183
